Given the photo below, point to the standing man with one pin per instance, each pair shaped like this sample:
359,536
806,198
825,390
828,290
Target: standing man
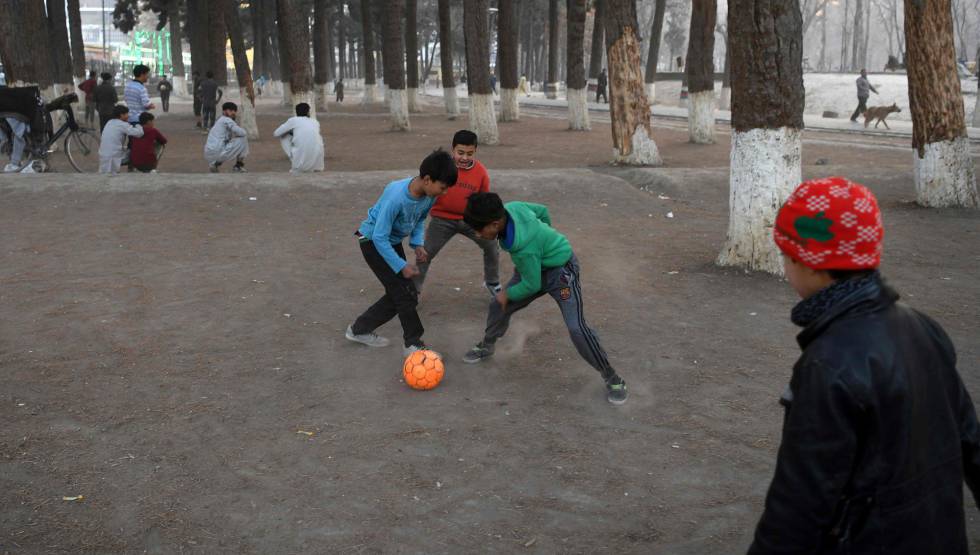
210,97
863,86
135,95
88,86
196,91
600,88
339,88
105,98
165,87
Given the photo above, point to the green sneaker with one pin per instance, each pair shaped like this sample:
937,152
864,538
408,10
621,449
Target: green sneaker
616,391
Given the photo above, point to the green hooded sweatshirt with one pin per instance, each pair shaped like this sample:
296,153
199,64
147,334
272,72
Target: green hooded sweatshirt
535,246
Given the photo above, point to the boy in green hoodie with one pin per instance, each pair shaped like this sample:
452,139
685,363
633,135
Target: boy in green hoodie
543,263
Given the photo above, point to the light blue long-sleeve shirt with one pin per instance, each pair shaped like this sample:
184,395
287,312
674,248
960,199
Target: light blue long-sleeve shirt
396,215
136,98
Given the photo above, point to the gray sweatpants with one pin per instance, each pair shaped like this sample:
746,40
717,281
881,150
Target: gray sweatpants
440,231
563,285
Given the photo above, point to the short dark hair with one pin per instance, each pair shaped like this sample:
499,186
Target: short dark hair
465,137
119,109
92,74
209,74
483,209
229,106
140,70
107,77
439,166
844,275
196,72
145,117
303,109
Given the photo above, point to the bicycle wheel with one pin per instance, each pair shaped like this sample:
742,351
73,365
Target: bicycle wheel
82,149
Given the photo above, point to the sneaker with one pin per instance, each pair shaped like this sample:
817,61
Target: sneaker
616,391
369,339
239,169
480,352
417,347
493,288
10,168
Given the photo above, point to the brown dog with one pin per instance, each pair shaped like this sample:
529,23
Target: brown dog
879,113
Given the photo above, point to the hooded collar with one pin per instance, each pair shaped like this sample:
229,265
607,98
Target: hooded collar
857,296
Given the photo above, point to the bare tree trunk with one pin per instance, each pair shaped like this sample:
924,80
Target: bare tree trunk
843,36
446,59
483,120
341,44
507,52
294,30
77,45
217,41
551,87
598,44
176,48
21,22
60,52
246,90
412,54
822,65
367,43
321,53
701,72
575,91
394,63
629,110
858,31
943,169
653,55
766,40
725,102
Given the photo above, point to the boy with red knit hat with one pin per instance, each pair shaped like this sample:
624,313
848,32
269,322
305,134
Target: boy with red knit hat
879,432
447,214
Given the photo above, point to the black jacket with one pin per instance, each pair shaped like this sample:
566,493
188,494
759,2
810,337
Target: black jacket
879,434
105,97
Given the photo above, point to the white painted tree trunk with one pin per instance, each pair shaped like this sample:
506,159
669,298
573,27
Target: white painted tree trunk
452,102
277,87
413,100
299,98
246,115
976,109
180,86
287,95
80,106
651,93
701,118
370,94
551,91
483,120
578,109
398,108
725,100
510,109
944,177
645,151
322,96
765,169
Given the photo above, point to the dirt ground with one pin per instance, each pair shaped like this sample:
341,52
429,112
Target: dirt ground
172,350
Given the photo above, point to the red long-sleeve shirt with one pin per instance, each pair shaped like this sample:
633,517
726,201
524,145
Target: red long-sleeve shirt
144,148
451,205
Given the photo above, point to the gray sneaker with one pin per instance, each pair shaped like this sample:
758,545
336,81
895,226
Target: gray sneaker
616,392
481,351
369,339
418,347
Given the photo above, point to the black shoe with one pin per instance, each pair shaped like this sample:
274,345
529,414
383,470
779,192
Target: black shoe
616,391
480,352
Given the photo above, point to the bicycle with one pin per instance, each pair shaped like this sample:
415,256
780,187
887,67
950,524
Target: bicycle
81,144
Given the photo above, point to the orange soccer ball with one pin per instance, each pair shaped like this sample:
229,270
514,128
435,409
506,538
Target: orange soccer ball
423,370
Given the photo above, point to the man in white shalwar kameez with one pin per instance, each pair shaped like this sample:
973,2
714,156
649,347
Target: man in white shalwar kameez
301,140
227,141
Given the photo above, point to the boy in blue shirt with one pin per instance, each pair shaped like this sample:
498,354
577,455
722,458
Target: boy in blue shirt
400,213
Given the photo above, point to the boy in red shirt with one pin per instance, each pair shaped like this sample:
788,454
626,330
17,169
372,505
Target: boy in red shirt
447,214
143,155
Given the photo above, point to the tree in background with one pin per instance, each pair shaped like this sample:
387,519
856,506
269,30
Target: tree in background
394,64
629,111
943,167
176,47
23,63
217,41
246,90
701,72
322,53
653,54
598,44
507,53
446,59
483,120
766,40
551,87
412,54
77,45
58,49
294,33
575,91
367,50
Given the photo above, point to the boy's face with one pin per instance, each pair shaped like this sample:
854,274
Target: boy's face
124,116
230,113
149,124
433,188
806,281
491,230
464,155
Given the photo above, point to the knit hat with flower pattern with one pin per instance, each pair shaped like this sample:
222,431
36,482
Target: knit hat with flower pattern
831,224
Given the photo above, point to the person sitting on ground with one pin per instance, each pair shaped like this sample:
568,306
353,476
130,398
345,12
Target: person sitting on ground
143,155
301,140
112,149
226,141
879,432
105,98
